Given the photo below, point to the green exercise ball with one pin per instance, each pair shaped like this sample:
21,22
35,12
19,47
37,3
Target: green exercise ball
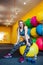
28,23
34,40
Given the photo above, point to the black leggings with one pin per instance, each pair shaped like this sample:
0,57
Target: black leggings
17,46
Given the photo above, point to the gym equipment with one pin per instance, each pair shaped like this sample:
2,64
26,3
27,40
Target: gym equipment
28,23
39,42
32,52
39,29
40,17
34,21
33,32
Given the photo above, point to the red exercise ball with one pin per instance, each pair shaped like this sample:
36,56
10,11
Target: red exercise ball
34,21
39,42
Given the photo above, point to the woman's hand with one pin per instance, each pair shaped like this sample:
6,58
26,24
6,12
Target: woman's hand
28,44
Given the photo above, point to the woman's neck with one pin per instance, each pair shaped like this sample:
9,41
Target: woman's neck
21,29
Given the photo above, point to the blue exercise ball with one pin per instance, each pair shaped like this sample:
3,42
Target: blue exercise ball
39,29
29,29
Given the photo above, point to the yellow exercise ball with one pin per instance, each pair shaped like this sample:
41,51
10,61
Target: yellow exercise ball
33,32
40,17
32,52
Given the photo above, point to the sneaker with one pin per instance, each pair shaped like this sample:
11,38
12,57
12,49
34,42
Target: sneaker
29,59
32,60
21,59
8,56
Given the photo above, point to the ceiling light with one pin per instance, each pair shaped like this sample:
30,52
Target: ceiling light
16,13
24,3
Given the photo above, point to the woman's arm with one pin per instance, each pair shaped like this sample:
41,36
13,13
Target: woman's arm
18,36
27,36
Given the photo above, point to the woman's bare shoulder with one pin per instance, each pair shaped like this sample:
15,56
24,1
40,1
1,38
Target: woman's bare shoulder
25,27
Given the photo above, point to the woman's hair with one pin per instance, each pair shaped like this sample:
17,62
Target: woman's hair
22,22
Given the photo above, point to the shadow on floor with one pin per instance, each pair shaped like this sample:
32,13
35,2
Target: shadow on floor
4,52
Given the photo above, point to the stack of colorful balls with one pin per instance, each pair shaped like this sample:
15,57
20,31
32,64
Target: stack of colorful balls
35,26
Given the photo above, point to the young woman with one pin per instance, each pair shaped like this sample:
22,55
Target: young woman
22,33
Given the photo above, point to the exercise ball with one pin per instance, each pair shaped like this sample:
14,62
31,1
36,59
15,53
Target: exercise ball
28,23
40,17
32,52
39,42
33,32
33,40
34,21
39,29
29,31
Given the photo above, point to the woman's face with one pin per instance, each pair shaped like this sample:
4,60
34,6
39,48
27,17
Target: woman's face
21,24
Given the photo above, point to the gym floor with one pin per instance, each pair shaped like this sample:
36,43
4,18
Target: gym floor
14,59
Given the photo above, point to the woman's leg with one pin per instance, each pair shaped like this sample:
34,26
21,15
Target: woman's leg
9,55
26,50
22,58
17,47
27,47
